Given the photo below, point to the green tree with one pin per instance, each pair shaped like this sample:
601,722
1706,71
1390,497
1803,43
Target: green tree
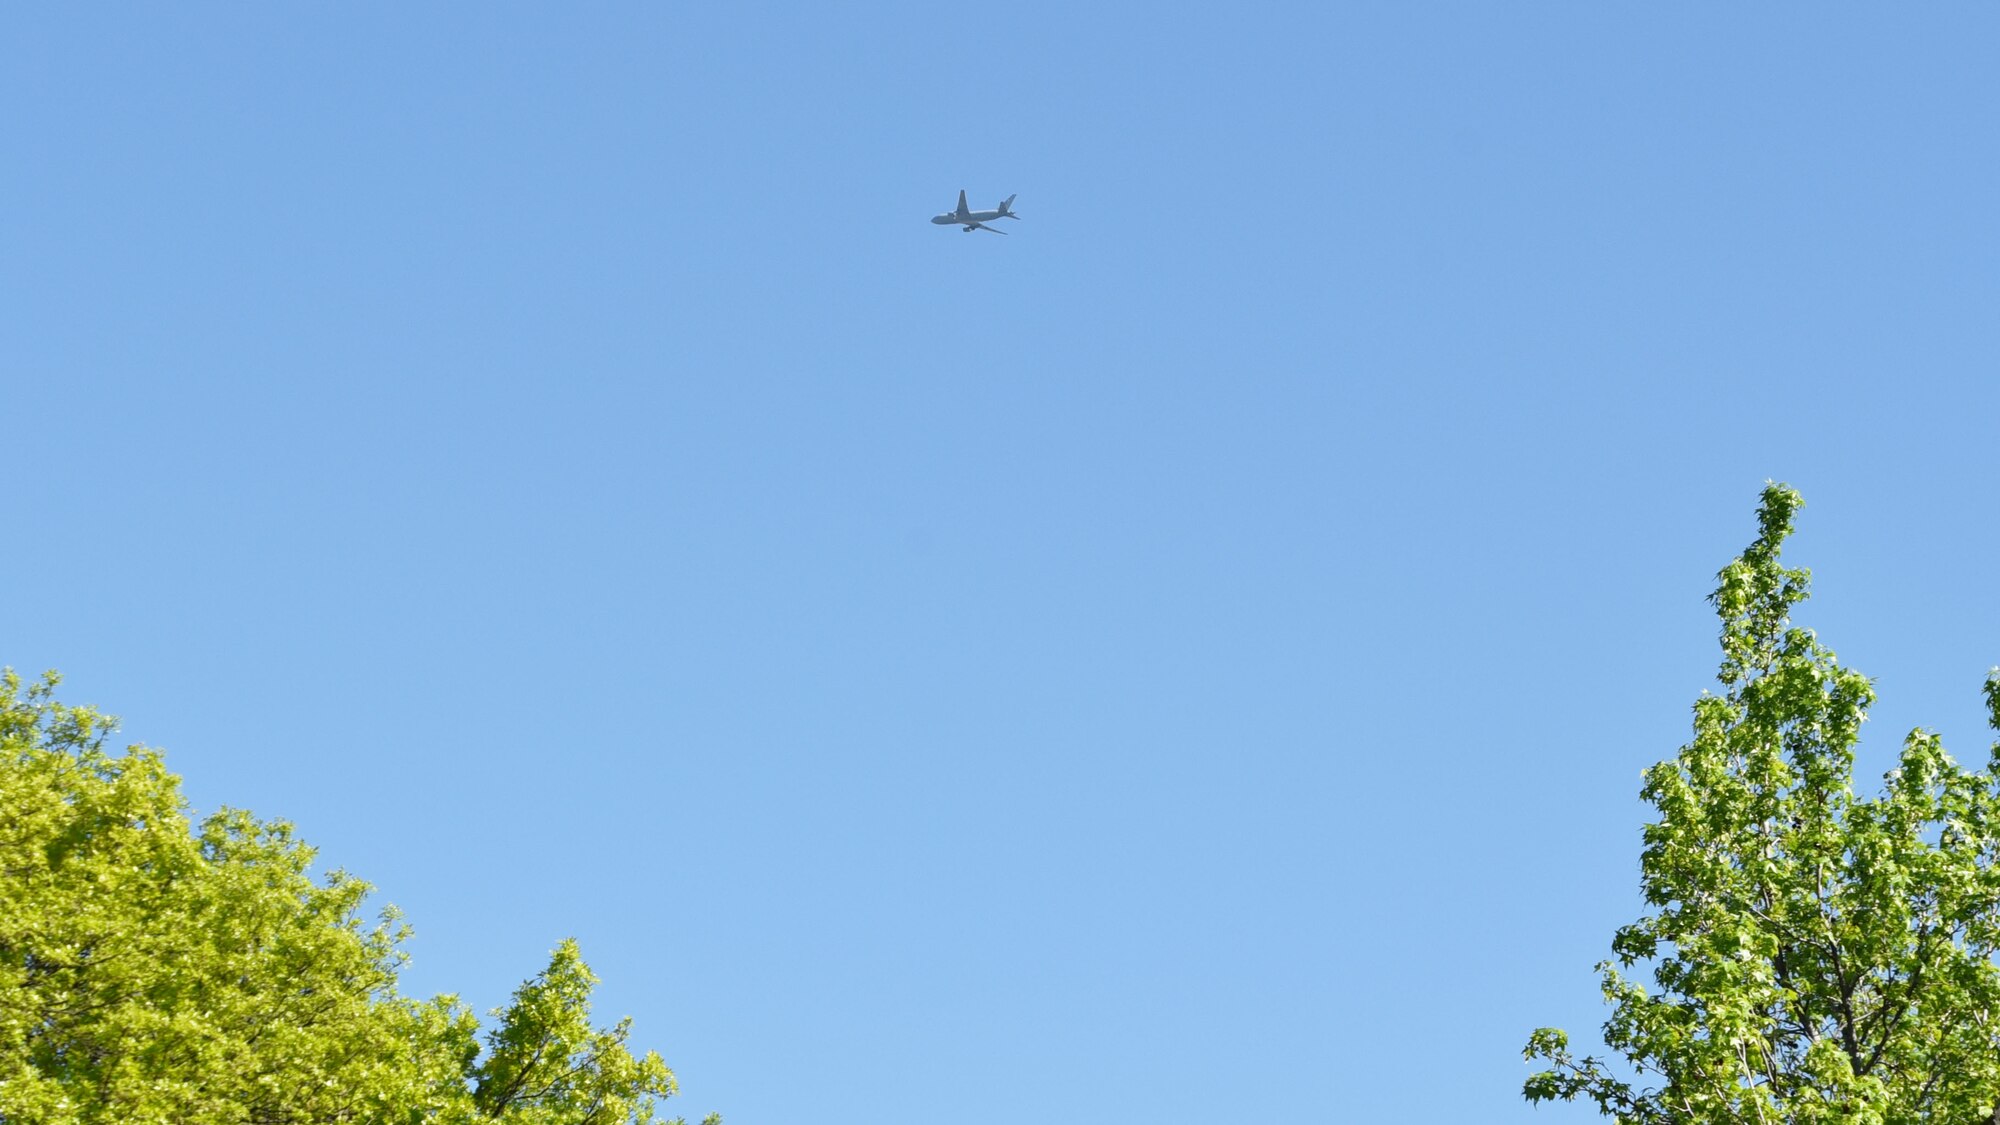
155,970
1815,956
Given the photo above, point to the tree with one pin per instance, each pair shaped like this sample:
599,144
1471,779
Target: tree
1816,957
154,970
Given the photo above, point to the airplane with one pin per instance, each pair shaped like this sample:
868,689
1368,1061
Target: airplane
975,220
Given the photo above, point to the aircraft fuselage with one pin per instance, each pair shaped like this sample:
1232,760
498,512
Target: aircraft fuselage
949,217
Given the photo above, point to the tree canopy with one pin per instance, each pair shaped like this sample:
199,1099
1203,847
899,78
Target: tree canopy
158,970
1815,956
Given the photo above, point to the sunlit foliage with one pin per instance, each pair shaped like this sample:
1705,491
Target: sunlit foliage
158,970
1814,956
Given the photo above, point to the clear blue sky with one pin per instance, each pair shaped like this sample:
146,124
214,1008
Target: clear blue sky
1189,660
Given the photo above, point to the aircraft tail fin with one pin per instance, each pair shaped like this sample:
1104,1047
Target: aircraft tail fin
1007,207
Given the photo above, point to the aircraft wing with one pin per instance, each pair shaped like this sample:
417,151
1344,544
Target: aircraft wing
963,210
982,226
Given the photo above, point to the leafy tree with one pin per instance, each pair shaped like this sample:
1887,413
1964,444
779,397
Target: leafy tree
1816,956
154,970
